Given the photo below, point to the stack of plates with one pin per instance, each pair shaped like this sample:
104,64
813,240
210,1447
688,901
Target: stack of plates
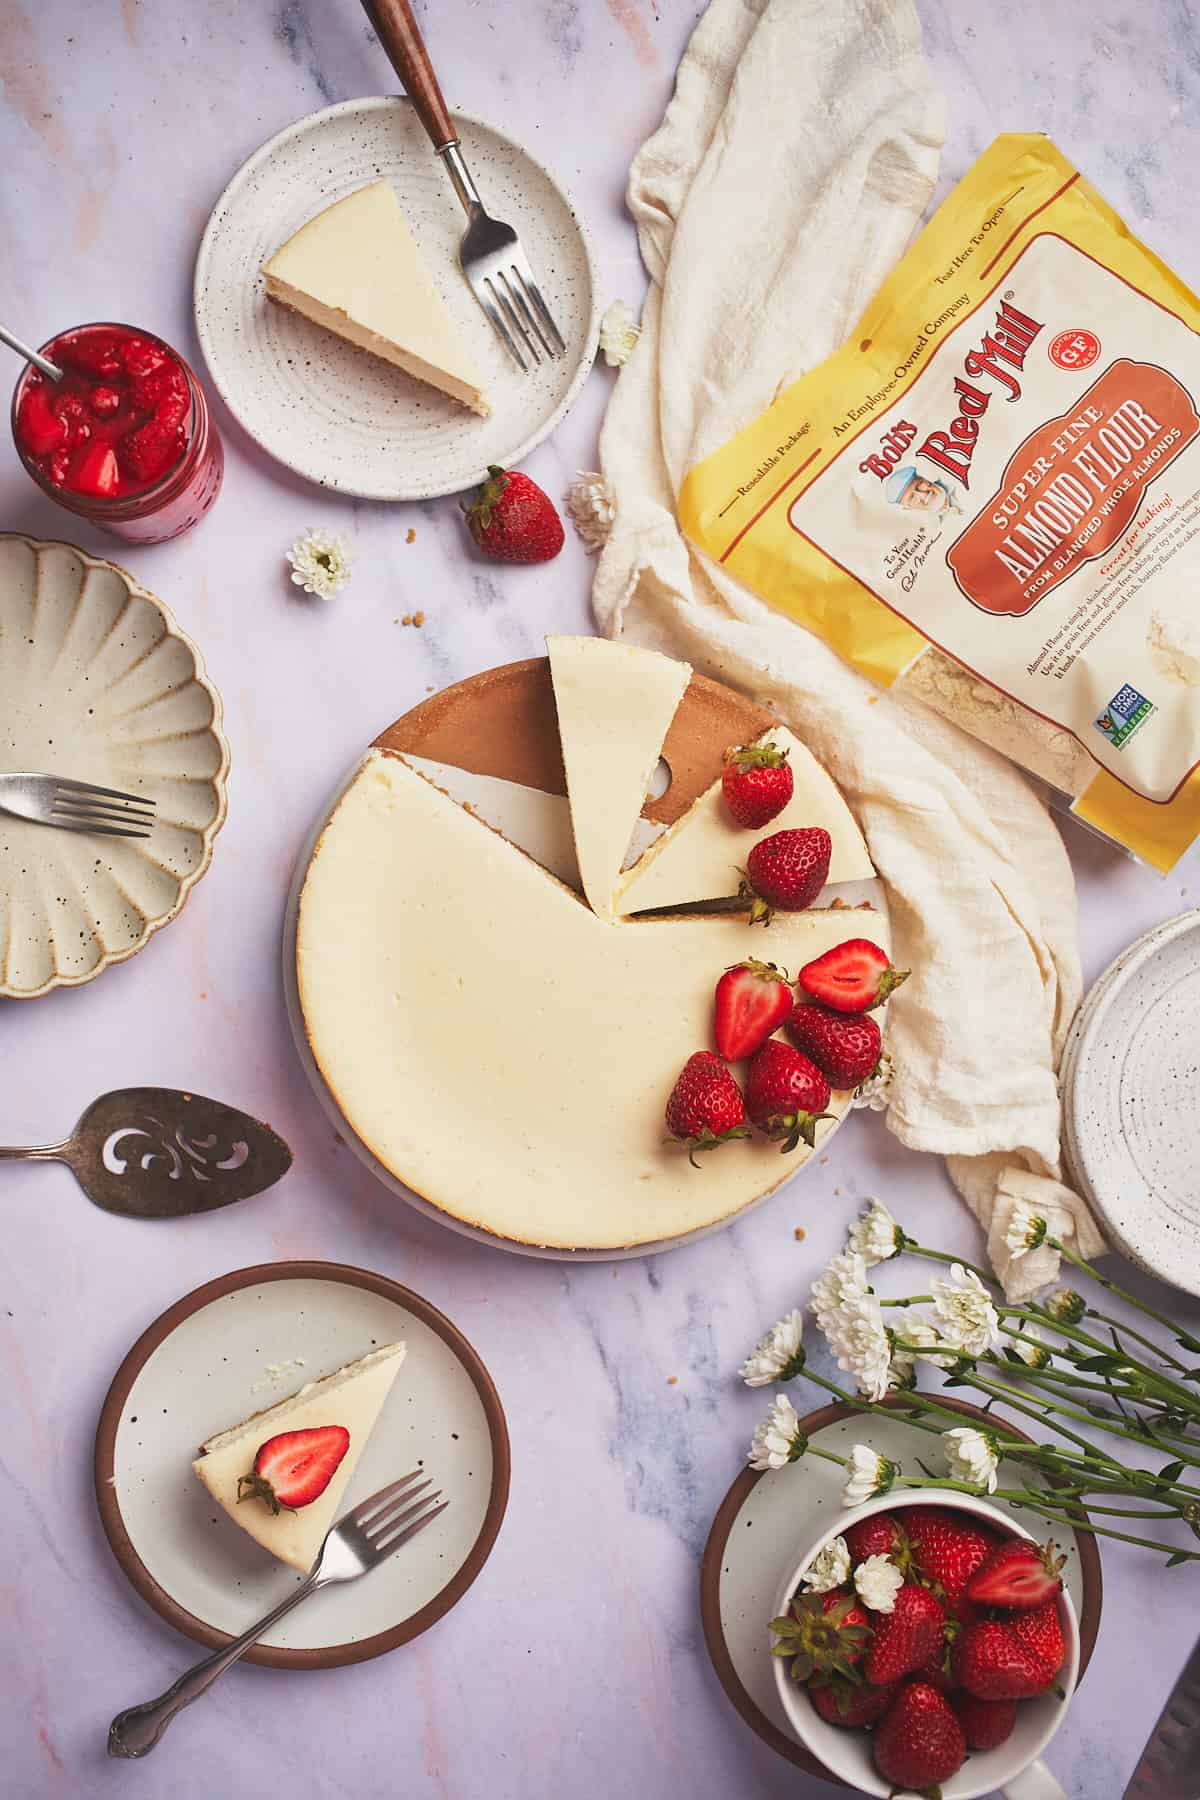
1131,1105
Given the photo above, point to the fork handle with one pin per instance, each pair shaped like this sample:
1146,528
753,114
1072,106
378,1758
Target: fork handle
400,35
136,1731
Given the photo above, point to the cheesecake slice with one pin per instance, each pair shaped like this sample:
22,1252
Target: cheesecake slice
614,705
702,855
353,1397
356,269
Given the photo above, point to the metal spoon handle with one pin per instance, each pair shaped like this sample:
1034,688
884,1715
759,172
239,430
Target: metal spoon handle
35,1153
137,1730
31,355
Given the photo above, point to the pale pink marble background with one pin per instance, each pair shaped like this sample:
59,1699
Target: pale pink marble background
575,1666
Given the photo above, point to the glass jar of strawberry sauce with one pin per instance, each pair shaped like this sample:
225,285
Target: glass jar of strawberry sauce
125,438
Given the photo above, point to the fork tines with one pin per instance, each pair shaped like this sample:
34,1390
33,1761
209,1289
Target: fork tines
393,1515
81,806
514,303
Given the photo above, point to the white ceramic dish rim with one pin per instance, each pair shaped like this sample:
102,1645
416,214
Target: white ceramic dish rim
219,778
372,103
816,1735
1090,1019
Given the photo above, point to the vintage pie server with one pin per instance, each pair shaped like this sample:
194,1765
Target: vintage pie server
157,1153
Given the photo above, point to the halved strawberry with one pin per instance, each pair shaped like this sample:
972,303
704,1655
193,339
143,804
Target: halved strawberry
40,430
97,472
294,1468
853,977
753,1000
1017,1574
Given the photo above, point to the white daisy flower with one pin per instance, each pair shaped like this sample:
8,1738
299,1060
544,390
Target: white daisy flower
779,1439
875,1092
916,1329
966,1316
1065,1305
778,1356
842,1282
971,1456
877,1581
1026,1229
619,332
852,1324
876,1236
866,1476
829,1568
320,563
1030,1348
591,508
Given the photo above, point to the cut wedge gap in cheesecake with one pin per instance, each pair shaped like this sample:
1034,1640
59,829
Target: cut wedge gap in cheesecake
356,270
352,1398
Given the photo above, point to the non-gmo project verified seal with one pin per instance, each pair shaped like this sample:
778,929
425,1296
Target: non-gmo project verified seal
1121,717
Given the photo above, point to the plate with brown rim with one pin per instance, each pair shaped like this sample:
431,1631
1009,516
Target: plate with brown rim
762,1521
238,1345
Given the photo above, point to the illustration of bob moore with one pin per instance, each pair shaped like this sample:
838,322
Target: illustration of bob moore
916,493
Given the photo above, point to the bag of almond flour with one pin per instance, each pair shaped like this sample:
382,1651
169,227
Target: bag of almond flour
992,494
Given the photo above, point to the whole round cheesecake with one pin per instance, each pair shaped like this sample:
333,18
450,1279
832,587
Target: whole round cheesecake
505,1049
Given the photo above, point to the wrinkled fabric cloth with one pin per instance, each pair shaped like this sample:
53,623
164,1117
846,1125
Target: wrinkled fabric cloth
794,163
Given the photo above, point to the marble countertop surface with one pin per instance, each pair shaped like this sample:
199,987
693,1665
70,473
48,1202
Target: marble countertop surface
575,1665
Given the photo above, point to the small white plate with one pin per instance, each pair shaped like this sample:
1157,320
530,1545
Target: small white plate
762,1525
1130,1127
229,1350
98,681
331,412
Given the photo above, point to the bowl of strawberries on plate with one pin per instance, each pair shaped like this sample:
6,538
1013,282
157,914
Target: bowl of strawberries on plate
928,1649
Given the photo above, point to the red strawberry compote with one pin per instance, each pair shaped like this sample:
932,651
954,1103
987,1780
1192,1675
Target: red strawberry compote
125,438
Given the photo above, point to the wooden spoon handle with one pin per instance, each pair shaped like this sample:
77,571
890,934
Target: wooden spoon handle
400,35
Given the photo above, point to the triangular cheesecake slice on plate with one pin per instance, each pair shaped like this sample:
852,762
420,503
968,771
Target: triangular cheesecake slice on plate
356,269
703,854
614,703
353,1398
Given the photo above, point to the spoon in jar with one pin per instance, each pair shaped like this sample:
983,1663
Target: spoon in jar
34,356
156,1153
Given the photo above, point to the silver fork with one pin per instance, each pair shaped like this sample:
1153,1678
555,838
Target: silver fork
75,805
356,1544
492,259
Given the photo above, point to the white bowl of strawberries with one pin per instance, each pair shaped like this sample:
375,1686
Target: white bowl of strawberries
942,1659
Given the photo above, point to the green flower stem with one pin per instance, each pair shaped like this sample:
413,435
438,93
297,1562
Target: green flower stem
828,1455
913,1300
1180,1336
1075,1383
913,1248
1041,1503
1093,1312
1182,1396
1001,1391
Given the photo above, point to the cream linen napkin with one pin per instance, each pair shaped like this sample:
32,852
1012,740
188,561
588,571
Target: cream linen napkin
795,160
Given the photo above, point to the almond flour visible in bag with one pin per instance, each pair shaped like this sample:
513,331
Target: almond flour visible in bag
992,494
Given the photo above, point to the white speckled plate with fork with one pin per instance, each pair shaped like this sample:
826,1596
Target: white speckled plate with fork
98,682
331,412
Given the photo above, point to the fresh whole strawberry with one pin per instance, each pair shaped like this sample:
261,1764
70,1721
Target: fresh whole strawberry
985,1723
294,1468
786,1095
512,520
853,977
1040,1631
920,1743
706,1106
879,1535
844,1046
753,1000
991,1662
1017,1575
907,1637
822,1634
947,1547
786,871
842,1702
757,784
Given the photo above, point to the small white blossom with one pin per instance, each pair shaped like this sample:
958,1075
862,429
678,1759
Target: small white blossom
875,1092
876,1236
619,333
778,1356
966,1316
866,1476
842,1282
779,1439
971,1456
916,1329
591,508
877,1581
829,1568
1030,1348
852,1324
320,563
1026,1229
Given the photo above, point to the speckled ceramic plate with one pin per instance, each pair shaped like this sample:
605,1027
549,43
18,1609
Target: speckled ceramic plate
333,413
235,1347
1130,1127
762,1523
97,681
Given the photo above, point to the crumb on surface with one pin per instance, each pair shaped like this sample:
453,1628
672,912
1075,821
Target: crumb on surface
672,1380
407,619
872,699
823,1160
418,619
799,1234
411,537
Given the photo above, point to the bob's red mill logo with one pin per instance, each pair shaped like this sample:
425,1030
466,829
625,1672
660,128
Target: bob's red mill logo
1003,349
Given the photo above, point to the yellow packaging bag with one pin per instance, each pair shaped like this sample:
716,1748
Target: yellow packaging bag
992,494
